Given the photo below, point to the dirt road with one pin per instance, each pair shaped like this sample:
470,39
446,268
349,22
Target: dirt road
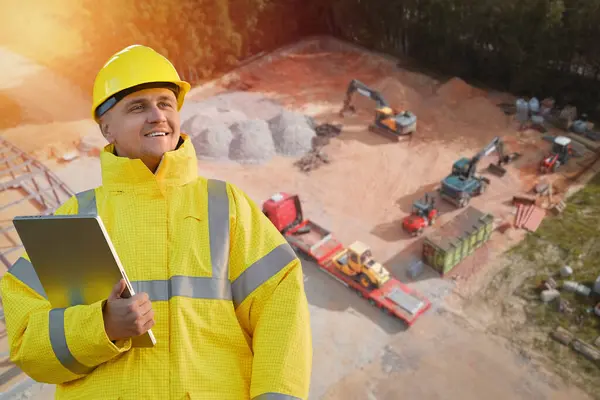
446,359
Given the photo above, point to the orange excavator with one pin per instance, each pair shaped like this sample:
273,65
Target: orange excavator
388,122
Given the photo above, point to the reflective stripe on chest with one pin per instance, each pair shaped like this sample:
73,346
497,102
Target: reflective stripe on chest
215,287
218,286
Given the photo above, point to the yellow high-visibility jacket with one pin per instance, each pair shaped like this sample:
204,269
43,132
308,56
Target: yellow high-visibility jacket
231,314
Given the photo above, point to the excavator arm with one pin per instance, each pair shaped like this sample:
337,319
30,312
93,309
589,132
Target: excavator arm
497,144
357,86
493,145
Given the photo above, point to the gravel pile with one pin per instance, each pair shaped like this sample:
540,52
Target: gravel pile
211,116
213,142
246,127
292,133
252,142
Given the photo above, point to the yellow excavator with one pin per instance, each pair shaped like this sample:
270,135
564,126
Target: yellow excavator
388,122
357,262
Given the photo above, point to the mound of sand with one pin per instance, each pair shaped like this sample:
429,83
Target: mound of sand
213,142
292,133
457,90
252,142
203,117
399,96
396,94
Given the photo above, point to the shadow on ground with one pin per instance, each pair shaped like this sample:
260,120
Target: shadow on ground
393,231
325,292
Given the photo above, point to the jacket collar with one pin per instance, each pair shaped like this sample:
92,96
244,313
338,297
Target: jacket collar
176,168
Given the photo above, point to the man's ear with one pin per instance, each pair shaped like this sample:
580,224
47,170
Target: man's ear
105,130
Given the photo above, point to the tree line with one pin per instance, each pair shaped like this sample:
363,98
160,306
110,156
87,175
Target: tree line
203,38
528,47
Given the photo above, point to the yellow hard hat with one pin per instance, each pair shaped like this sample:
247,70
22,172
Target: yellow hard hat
134,68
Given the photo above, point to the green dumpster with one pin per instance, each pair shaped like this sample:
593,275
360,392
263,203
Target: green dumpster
446,247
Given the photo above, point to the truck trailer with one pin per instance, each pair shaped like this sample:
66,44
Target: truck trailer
445,248
352,266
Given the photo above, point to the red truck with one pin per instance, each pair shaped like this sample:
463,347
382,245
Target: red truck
353,266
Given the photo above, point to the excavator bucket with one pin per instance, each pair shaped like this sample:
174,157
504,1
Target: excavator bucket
496,169
347,111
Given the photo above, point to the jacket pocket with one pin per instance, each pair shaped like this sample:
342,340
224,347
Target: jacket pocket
191,247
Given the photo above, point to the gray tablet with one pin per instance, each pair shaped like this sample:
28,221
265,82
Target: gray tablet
75,260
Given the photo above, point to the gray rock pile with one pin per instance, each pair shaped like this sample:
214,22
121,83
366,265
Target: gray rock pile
213,142
212,116
252,142
292,133
246,127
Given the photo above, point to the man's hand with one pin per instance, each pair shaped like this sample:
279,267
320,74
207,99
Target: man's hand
127,317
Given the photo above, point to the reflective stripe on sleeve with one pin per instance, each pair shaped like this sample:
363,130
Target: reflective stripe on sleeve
275,396
24,271
86,202
185,286
218,228
261,271
58,340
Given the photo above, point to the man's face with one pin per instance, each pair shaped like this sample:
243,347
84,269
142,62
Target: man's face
143,125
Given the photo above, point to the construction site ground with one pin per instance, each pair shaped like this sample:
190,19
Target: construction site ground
362,194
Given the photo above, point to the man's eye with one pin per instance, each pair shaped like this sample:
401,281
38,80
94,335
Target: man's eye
135,108
164,104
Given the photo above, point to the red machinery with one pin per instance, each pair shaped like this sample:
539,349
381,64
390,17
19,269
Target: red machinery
319,245
423,214
562,150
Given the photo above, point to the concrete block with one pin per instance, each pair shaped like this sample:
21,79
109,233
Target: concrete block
549,295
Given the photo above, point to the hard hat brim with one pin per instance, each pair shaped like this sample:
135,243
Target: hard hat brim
180,88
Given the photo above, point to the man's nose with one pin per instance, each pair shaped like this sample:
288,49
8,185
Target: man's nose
155,114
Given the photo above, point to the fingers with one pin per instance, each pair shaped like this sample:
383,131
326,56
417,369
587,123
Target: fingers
149,324
144,323
117,290
142,315
140,299
144,308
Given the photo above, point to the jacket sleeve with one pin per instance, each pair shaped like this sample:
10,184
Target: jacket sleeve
271,305
52,345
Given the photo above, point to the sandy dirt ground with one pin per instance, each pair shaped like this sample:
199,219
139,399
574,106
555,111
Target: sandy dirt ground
362,195
35,95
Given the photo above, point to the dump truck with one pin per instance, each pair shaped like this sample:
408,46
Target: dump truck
352,266
445,248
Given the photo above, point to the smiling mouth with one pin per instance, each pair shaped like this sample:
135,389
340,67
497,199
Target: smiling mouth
156,134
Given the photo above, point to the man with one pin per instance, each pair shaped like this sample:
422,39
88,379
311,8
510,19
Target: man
217,283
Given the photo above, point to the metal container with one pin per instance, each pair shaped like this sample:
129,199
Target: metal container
534,105
454,241
522,110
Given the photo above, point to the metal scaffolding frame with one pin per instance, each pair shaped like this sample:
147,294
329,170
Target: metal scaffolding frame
20,171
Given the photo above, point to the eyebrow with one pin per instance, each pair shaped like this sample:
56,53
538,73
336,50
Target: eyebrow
144,100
